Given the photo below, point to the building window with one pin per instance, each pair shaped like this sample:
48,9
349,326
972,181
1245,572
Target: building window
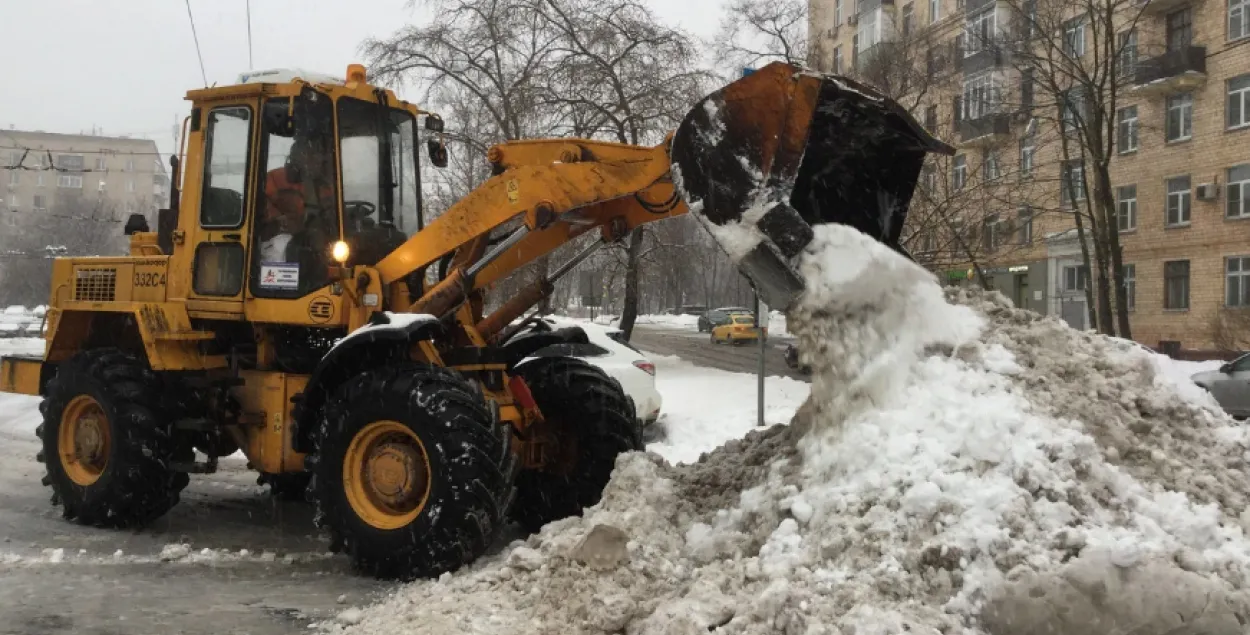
1239,191
1180,121
957,110
130,165
101,164
989,233
14,177
1075,278
907,18
1024,226
1180,29
855,51
1026,89
869,34
15,158
837,59
1178,201
1030,17
1074,37
959,173
1026,157
13,204
979,31
1237,281
39,178
1127,46
1126,207
1072,185
980,96
1238,19
1126,130
1239,101
70,181
1176,284
130,185
837,12
41,203
928,176
101,186
991,169
1071,111
930,118
935,11
1130,287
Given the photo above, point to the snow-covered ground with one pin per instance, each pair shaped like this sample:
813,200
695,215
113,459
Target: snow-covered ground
705,407
961,467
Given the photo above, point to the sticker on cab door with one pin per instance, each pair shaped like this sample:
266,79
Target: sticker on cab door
279,275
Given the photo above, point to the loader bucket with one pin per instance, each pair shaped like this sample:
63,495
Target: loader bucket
783,149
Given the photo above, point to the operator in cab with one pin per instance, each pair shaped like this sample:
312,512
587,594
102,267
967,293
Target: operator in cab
299,197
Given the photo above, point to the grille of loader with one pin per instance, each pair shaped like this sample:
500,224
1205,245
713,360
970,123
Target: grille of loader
95,285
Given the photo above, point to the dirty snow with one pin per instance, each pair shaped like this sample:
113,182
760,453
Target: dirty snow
960,467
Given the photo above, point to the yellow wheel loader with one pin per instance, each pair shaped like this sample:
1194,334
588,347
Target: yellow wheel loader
293,303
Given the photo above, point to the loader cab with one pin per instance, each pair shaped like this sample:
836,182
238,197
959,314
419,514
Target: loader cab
286,181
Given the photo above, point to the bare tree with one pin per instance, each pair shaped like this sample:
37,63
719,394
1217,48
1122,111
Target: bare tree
755,32
1077,59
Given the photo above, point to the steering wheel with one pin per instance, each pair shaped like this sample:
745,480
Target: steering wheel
356,210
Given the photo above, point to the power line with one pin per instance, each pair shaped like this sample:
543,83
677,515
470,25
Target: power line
197,44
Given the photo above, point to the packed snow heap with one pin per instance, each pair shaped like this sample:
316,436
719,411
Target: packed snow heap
961,466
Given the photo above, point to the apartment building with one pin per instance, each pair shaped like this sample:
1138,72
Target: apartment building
1180,170
71,176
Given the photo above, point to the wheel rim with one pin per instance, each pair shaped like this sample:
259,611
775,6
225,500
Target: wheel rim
386,475
83,440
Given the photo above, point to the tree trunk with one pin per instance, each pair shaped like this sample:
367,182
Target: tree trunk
629,312
1089,288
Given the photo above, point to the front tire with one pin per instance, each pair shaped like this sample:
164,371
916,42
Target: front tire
108,443
412,474
592,416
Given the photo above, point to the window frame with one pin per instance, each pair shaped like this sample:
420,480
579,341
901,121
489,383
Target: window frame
1074,37
1078,281
1024,225
1120,203
1242,276
991,166
1242,188
241,270
1026,167
1126,128
1242,95
1242,7
1184,105
1072,190
207,160
935,11
1126,58
1184,196
982,96
959,172
980,30
1168,279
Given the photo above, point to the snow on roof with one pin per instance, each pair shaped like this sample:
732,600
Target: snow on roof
283,75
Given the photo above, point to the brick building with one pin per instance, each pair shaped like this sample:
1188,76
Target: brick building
1180,167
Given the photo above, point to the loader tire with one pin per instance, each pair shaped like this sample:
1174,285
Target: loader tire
589,407
108,443
412,472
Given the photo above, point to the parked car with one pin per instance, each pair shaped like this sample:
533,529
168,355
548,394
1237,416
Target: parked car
792,360
1230,386
716,317
608,350
740,329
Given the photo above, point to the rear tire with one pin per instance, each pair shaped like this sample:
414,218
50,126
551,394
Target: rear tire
431,471
588,406
107,441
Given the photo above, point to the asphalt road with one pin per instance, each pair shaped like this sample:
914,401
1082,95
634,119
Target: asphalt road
698,349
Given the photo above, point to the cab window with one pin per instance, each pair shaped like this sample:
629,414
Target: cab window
296,210
225,167
377,217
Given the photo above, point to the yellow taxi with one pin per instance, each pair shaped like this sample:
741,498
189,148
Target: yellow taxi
738,330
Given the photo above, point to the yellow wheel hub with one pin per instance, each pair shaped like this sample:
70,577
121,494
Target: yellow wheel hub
386,475
83,440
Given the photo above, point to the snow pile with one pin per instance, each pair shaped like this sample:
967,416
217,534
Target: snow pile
960,467
675,321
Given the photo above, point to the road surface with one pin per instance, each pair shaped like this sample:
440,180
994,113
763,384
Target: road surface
697,348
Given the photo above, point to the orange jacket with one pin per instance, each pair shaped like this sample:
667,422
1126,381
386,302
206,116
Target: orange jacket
286,199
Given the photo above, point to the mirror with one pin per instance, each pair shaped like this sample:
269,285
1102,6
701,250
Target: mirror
437,152
433,123
1227,369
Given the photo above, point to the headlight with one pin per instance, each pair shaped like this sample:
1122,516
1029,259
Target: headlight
340,252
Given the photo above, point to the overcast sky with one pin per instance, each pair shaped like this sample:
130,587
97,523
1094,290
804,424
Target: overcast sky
123,66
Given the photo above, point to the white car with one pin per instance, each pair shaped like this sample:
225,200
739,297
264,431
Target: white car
608,350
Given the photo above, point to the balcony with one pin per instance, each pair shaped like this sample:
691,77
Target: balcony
866,6
1156,7
986,131
984,59
1173,72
